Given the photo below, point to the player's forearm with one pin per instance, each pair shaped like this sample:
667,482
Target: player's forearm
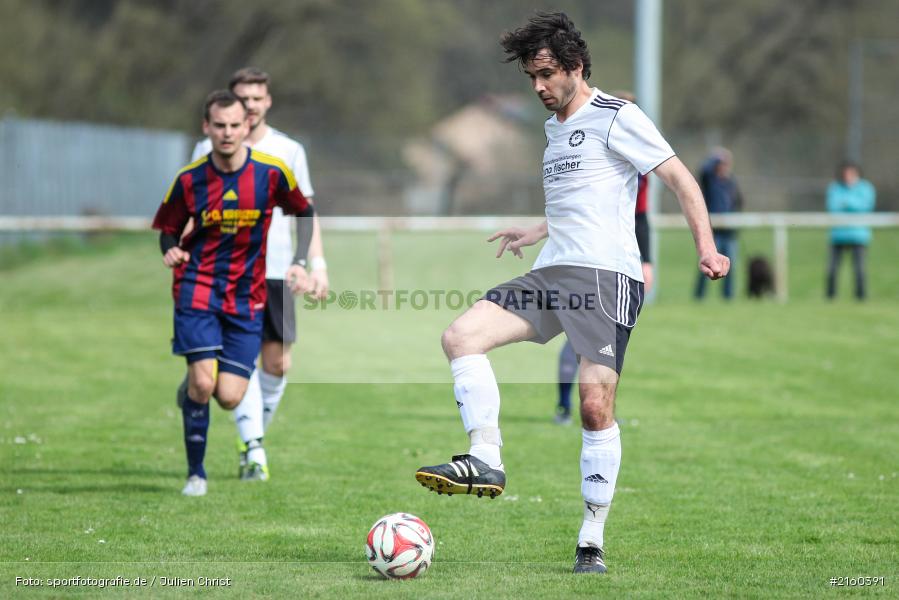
680,181
167,241
316,247
542,230
694,209
305,234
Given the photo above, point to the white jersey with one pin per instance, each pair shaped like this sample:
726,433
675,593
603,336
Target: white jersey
590,169
279,248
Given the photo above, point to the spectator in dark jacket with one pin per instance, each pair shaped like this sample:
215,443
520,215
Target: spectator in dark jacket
719,188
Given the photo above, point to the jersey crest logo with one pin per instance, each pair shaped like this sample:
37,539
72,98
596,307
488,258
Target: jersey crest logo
230,195
577,138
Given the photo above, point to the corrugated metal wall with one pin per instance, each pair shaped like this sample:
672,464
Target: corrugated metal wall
56,168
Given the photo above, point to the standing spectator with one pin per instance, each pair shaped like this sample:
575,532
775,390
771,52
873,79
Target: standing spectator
719,188
849,194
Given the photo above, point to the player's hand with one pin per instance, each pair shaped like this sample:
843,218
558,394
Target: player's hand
514,238
298,281
175,256
714,265
648,276
319,281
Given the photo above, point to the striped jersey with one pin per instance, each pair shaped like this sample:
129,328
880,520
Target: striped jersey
231,213
642,195
590,168
279,251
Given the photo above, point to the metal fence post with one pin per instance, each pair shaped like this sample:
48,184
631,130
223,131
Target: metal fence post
385,257
781,260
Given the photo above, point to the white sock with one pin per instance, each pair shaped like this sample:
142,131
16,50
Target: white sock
248,414
272,390
600,460
477,397
256,453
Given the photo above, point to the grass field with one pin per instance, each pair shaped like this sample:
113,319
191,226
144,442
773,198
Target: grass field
760,440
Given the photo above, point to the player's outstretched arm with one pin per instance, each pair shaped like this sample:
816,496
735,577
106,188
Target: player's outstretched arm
514,238
679,180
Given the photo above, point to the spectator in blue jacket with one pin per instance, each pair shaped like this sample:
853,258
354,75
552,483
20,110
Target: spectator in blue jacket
719,188
849,194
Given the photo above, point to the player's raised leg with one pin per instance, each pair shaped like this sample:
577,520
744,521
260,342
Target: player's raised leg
466,341
600,461
238,388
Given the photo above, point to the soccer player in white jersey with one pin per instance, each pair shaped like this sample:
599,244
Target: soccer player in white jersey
267,384
587,280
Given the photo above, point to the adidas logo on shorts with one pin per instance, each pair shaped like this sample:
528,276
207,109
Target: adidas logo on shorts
607,351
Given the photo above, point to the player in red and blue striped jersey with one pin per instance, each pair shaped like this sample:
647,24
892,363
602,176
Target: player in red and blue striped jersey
219,267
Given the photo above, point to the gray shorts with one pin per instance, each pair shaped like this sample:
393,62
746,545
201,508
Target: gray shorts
595,308
280,324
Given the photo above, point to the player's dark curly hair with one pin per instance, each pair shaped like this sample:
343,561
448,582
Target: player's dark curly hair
556,33
222,99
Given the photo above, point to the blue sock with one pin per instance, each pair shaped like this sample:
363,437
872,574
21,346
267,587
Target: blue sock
565,396
196,426
568,364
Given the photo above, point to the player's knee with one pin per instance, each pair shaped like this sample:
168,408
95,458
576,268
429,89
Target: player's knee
449,339
597,416
228,399
276,358
285,365
596,421
462,336
597,406
458,341
201,387
230,391
277,365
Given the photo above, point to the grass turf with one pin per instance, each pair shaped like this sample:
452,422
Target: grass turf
760,440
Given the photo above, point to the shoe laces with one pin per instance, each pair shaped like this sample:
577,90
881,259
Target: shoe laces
468,470
590,555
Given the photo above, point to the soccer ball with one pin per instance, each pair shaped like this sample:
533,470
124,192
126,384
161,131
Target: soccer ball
400,546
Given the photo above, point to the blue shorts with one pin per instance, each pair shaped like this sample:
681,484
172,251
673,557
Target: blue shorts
234,341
